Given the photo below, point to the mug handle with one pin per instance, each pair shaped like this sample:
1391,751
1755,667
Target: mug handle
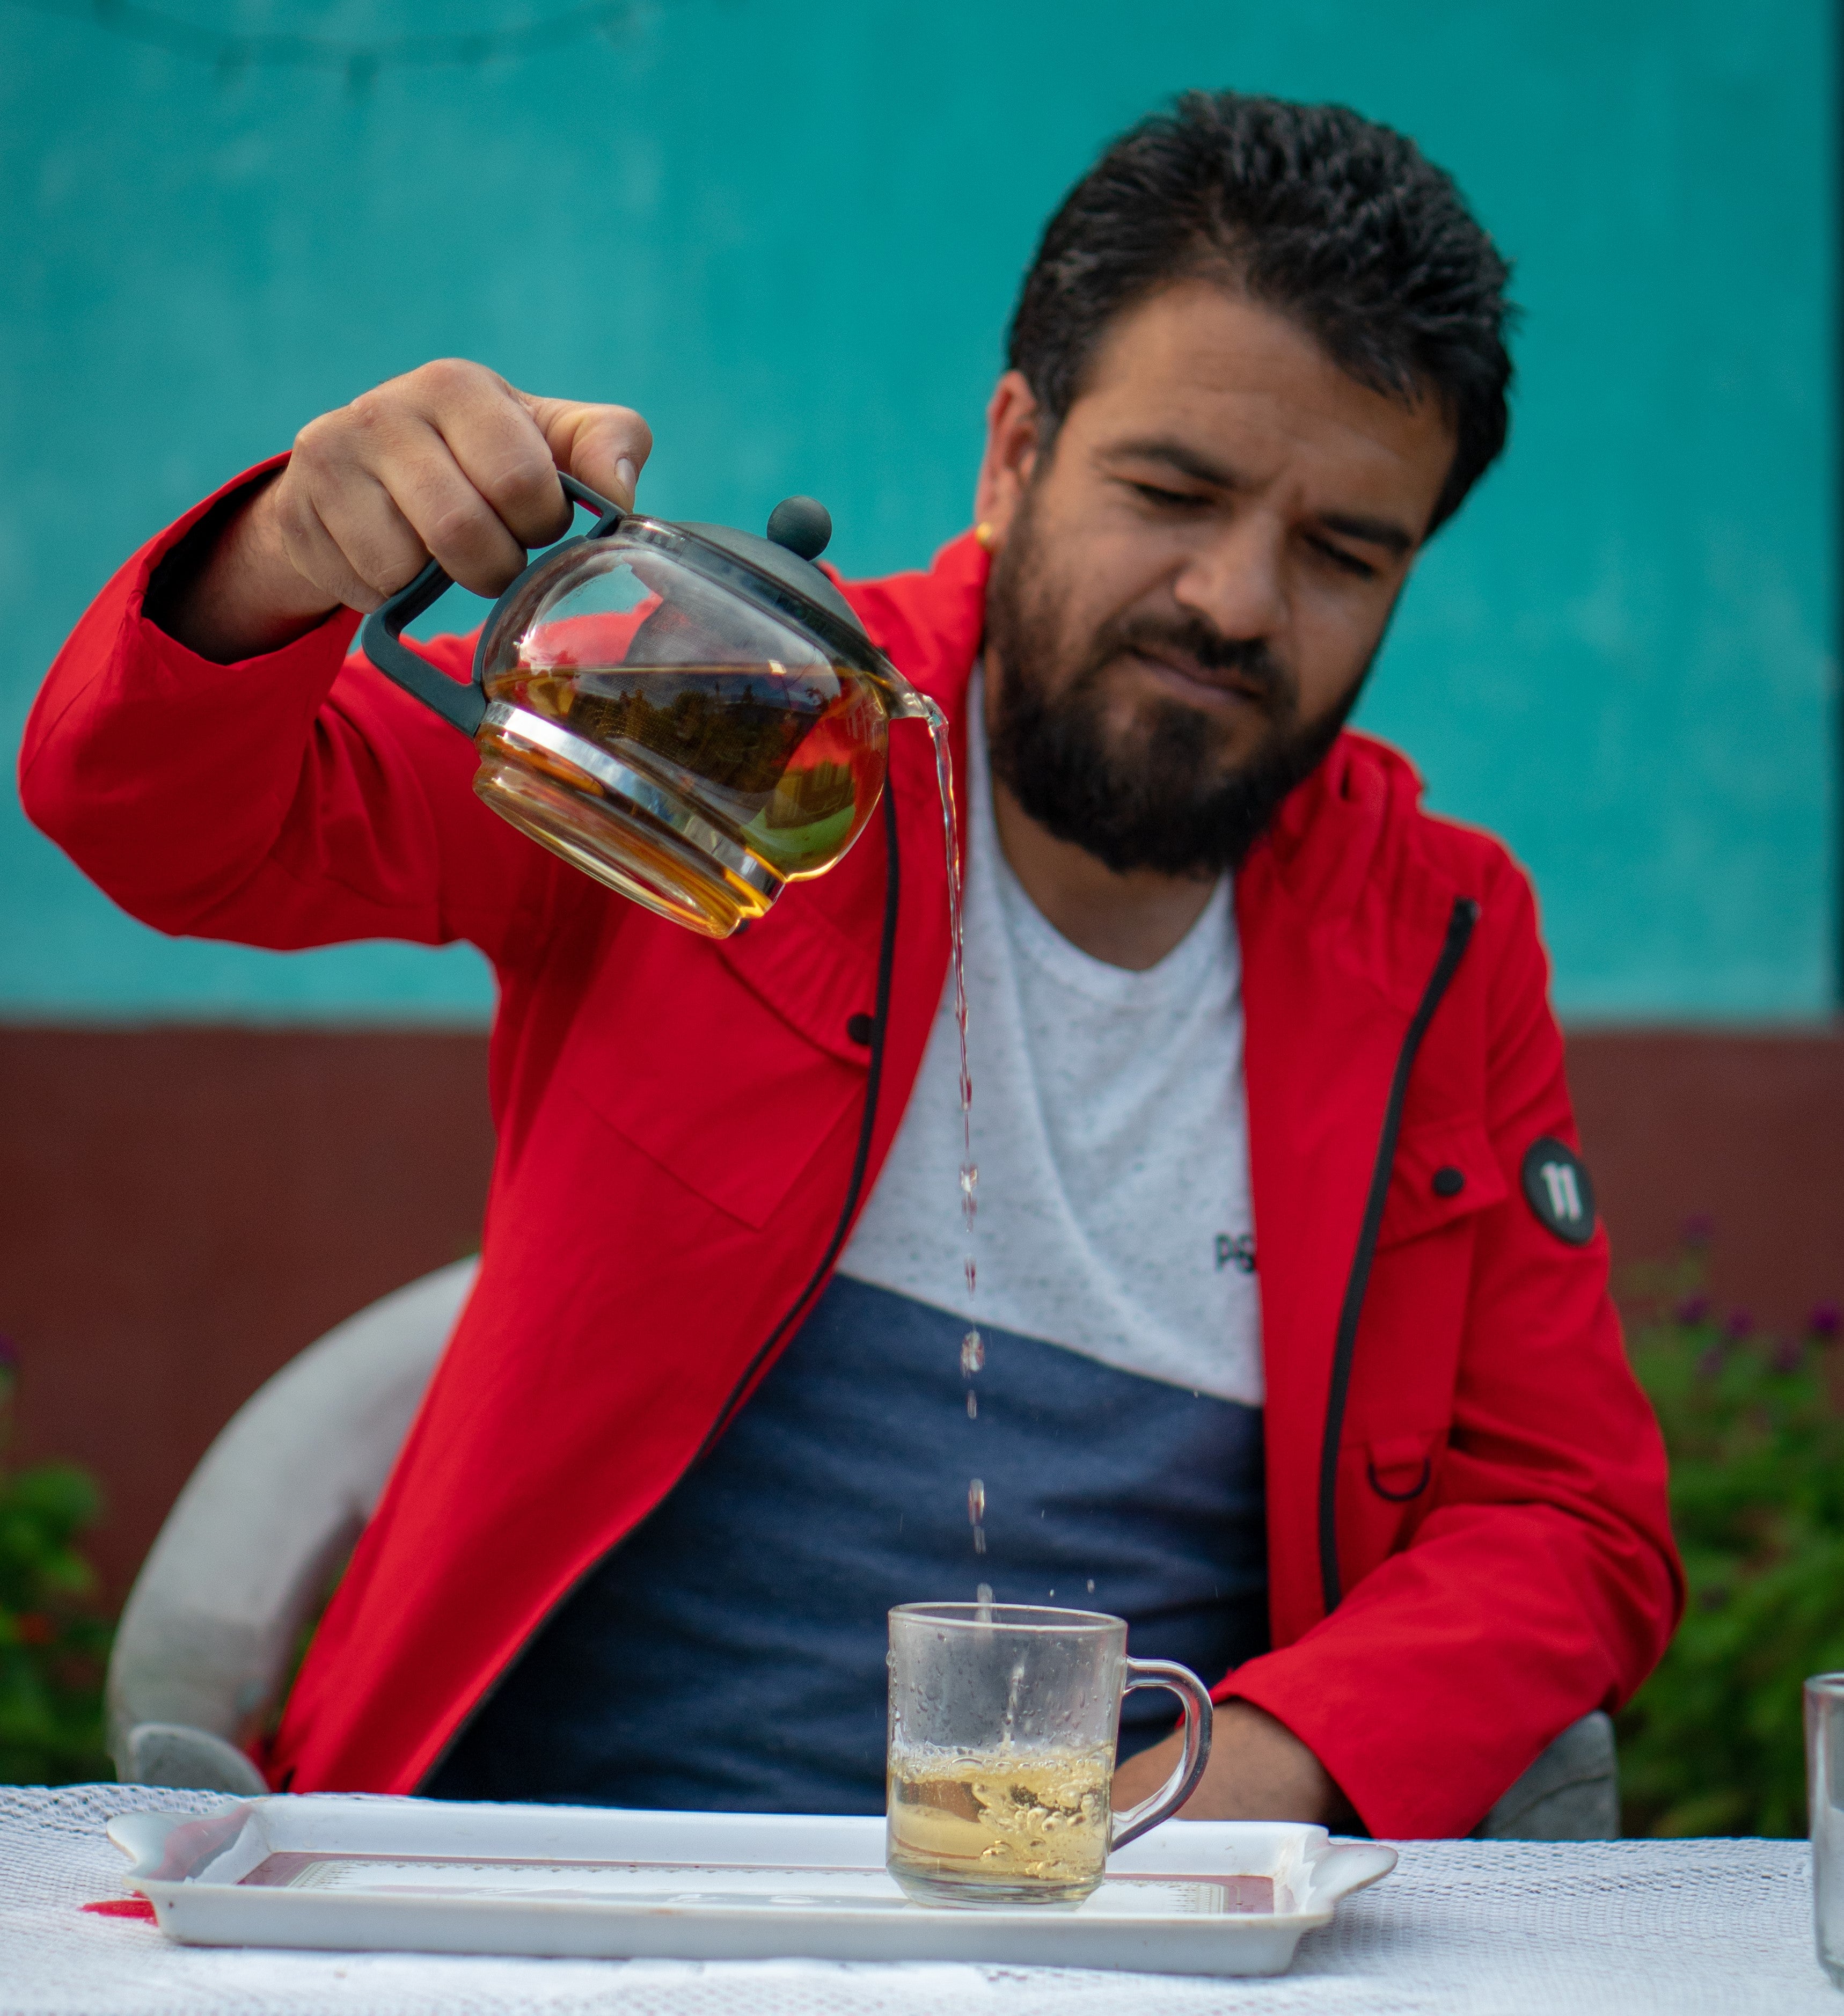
378,636
1161,1806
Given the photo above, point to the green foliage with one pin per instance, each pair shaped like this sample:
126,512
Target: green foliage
1712,1743
53,1645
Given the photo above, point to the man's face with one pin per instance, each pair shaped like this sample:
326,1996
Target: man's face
1190,586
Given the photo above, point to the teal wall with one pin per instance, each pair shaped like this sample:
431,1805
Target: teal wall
790,234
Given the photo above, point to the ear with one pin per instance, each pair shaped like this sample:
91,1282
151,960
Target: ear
1013,437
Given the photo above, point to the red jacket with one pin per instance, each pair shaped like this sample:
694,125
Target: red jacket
677,1122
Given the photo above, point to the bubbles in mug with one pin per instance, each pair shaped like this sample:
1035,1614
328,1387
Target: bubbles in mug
1001,1820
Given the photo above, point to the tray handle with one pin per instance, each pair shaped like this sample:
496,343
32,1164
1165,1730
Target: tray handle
1342,1868
168,1848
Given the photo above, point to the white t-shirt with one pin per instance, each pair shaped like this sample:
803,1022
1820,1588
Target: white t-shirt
1111,1136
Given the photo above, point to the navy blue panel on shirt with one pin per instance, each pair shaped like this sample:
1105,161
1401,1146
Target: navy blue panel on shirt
729,1655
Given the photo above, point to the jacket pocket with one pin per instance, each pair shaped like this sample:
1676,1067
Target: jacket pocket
689,1064
1443,1172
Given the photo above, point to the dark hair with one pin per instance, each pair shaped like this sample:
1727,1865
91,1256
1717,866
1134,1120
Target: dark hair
1333,220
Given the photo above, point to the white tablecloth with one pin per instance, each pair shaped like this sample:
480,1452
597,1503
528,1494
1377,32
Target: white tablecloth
1489,1928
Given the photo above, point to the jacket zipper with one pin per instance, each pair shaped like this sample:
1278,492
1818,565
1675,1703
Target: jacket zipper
886,960
1460,920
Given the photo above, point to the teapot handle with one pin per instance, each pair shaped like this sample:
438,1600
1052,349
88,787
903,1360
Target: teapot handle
379,636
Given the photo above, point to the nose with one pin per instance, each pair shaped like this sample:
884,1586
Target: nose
1233,578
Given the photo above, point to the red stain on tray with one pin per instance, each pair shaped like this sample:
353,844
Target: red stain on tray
121,1907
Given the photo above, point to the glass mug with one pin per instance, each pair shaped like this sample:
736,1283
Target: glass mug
1003,1719
1825,1803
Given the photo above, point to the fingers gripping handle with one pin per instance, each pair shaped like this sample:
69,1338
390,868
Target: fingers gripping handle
607,515
380,635
1161,1806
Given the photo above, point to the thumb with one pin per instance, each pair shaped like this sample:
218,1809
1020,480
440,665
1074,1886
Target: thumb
605,447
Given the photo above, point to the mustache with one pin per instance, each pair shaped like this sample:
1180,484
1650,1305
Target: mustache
1193,640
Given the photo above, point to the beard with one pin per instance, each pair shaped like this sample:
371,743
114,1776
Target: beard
1165,794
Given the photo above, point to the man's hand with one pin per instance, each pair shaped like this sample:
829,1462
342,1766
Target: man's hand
1259,1770
449,461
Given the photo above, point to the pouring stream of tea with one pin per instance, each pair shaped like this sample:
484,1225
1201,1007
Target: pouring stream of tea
972,1344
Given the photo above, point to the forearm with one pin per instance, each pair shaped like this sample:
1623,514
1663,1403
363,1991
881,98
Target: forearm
280,801
1258,1770
168,779
229,590
1447,1670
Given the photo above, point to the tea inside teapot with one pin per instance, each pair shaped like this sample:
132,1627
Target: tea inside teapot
795,759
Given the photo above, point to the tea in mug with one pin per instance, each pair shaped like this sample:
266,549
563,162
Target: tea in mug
1011,1824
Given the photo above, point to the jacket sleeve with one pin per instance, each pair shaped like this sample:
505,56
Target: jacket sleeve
294,799
1540,1582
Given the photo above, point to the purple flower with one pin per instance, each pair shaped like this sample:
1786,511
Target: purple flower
1693,1310
1699,1230
9,1354
1709,1364
1740,1324
1788,1355
1825,1322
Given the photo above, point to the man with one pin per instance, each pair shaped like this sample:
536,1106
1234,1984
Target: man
1297,1348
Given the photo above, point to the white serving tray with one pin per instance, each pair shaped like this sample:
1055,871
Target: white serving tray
432,1876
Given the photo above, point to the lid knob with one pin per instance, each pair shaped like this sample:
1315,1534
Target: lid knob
802,524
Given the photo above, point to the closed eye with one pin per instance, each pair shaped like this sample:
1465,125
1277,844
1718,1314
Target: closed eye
1169,500
1342,557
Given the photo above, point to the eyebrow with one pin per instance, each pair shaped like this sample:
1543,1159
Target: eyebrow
1180,456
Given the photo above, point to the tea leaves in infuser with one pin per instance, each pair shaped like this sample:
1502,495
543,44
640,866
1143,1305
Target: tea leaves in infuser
790,760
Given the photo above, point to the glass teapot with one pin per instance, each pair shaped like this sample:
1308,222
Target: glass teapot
691,714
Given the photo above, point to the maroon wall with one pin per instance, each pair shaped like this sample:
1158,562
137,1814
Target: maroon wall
184,1208
1746,1130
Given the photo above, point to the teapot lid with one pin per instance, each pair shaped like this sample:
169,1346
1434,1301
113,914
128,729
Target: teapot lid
798,528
